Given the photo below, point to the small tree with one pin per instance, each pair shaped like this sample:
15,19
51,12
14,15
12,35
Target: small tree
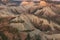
3,36
28,37
37,37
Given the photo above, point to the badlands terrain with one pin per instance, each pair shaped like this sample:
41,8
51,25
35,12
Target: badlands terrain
30,21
